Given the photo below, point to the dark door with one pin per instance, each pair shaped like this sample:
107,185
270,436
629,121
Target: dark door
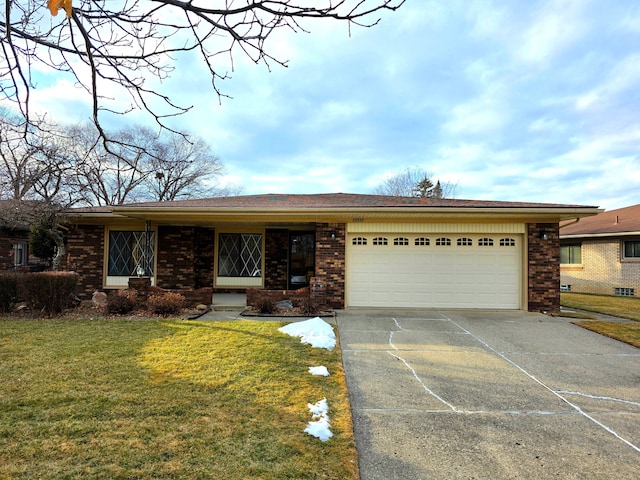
302,258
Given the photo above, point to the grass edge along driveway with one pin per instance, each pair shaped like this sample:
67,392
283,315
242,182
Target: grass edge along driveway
167,399
623,307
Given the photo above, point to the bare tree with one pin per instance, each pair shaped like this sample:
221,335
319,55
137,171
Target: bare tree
182,167
129,43
416,182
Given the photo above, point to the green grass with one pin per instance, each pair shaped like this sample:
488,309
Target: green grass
625,332
125,399
624,307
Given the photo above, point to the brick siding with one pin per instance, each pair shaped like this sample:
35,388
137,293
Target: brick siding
85,255
276,254
330,262
602,269
175,258
543,268
204,240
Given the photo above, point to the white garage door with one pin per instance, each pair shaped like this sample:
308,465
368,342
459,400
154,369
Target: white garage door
427,271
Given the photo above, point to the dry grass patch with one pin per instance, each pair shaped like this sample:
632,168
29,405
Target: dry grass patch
166,399
624,307
628,332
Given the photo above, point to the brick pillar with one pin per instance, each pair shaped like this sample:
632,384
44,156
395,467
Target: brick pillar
85,256
544,267
330,262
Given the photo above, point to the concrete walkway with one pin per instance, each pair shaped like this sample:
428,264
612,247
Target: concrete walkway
489,395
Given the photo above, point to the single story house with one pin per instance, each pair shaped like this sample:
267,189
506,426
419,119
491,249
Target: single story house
14,238
356,250
601,254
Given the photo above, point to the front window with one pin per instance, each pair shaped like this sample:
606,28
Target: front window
20,254
131,253
240,255
571,254
632,249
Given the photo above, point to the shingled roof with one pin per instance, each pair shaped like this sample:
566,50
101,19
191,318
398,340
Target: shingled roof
322,201
621,221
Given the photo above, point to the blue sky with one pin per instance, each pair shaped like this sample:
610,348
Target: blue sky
519,101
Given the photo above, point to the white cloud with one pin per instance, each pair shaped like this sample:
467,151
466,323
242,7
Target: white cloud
556,26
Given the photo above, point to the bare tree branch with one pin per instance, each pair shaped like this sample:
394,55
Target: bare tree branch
132,44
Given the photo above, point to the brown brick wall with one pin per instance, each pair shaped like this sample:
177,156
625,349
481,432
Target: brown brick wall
176,257
602,269
256,296
204,240
85,255
330,262
276,253
544,268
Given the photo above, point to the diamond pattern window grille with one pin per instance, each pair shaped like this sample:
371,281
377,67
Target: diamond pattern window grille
130,253
240,255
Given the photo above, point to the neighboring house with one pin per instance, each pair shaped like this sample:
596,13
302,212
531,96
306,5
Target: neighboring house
14,238
601,254
14,248
357,250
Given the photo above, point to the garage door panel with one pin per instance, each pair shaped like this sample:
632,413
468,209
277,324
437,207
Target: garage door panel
434,276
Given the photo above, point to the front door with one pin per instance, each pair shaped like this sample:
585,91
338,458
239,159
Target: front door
301,258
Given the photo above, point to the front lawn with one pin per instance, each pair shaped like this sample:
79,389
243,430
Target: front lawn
167,399
625,332
624,307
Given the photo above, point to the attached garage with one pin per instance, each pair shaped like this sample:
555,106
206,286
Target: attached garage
436,269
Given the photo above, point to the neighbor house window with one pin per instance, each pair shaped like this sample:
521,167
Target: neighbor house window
571,254
20,254
240,255
130,253
632,249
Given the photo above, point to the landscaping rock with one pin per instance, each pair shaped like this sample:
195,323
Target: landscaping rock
99,299
285,305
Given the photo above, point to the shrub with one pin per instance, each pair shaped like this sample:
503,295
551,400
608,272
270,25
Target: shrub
308,306
165,303
121,302
265,305
8,290
48,292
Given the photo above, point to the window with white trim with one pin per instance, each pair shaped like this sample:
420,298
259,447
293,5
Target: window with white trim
240,255
131,253
443,242
401,241
380,241
507,242
359,241
421,241
20,253
465,242
485,242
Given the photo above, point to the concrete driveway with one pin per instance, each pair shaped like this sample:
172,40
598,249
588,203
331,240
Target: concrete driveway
489,395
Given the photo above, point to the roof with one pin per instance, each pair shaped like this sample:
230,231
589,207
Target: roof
328,204
612,222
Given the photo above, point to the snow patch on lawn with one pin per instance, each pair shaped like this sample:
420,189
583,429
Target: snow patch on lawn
315,332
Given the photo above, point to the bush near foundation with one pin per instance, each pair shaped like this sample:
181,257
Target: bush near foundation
121,302
47,292
165,303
